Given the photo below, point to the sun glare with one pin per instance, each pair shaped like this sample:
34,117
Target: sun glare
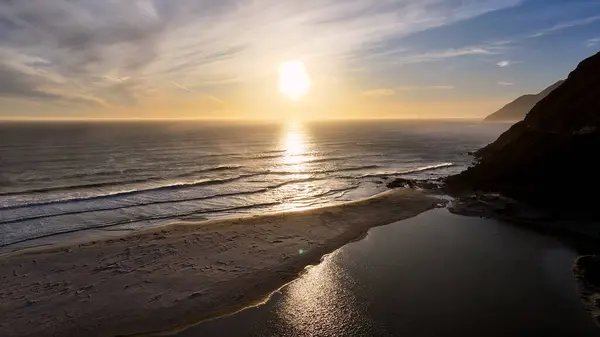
294,81
295,145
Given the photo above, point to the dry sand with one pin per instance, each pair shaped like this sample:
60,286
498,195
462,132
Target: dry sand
177,275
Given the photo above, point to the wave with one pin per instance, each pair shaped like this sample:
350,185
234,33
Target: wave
149,203
316,160
121,182
342,190
65,201
321,160
282,154
419,169
148,218
163,187
208,170
267,156
162,202
75,187
344,169
83,175
296,181
218,181
135,191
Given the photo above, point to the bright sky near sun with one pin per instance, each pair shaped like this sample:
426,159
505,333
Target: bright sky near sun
265,58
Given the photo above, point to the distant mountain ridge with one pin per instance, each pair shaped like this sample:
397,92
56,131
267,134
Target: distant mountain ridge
518,109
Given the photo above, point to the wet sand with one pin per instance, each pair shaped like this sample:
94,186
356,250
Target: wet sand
436,274
176,275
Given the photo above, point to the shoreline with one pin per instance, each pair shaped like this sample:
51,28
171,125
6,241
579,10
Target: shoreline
496,206
179,274
84,236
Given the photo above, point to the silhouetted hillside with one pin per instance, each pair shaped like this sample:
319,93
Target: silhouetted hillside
517,109
549,159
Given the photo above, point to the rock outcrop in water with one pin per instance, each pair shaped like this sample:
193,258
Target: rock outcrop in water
548,160
518,109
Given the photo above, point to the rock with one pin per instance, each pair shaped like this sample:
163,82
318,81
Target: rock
81,290
401,182
586,130
431,185
587,268
155,298
597,319
197,294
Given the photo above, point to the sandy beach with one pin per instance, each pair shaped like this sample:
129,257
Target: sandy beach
174,276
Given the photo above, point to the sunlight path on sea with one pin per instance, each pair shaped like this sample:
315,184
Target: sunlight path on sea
297,153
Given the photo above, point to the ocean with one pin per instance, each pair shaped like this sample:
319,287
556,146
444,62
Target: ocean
59,179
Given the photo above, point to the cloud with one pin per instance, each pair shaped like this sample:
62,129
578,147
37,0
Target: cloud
123,52
461,52
182,87
592,42
117,79
437,55
15,84
209,96
425,87
505,84
379,92
504,63
565,25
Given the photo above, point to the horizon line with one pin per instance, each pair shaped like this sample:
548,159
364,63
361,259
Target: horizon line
200,119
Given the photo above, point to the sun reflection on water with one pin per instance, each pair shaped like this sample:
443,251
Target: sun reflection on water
319,303
295,161
295,147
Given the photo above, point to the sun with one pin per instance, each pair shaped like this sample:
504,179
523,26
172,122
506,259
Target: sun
294,81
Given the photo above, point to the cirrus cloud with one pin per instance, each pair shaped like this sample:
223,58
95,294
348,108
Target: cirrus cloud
379,92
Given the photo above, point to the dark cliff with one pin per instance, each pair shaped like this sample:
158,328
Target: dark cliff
550,159
518,109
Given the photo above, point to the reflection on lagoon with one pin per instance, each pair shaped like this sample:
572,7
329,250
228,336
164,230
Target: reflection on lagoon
436,274
321,295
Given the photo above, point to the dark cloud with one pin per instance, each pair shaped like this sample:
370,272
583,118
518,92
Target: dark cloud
77,35
14,83
17,84
78,42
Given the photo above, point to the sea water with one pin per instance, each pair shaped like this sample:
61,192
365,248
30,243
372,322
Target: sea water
67,177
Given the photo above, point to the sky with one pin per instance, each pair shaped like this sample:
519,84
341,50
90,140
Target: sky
220,58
